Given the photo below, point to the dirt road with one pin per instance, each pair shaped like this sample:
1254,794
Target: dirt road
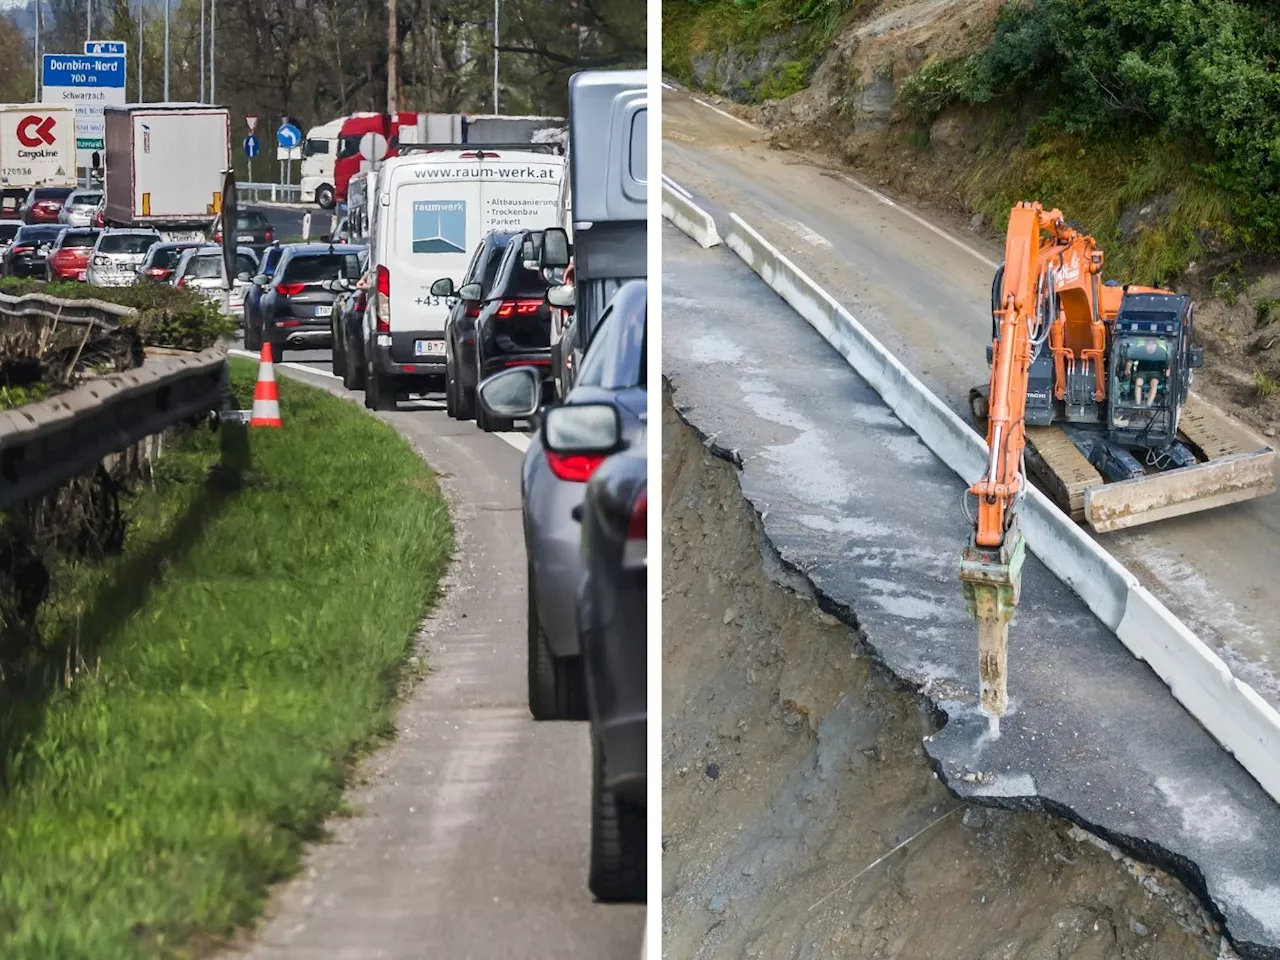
922,286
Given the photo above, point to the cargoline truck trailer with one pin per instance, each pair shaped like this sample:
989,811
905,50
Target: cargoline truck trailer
165,163
37,145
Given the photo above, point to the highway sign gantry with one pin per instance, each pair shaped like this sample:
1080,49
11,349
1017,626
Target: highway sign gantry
88,82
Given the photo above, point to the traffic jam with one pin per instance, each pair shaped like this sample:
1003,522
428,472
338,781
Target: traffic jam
452,273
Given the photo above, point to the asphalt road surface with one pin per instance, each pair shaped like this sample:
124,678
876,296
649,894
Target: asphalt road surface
472,830
922,286
853,502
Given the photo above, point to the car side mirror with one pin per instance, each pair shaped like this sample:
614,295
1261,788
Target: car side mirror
442,287
561,296
584,428
1196,359
513,394
242,276
261,280
469,291
555,248
337,286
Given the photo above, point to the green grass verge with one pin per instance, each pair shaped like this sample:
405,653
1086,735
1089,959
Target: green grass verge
238,657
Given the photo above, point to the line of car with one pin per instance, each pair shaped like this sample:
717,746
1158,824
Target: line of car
584,486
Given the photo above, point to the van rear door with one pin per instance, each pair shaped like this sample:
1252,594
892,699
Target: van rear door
442,207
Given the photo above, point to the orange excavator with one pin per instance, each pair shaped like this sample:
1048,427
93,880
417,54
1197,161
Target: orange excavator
1090,386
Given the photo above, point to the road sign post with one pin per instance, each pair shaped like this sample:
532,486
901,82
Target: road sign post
89,82
288,148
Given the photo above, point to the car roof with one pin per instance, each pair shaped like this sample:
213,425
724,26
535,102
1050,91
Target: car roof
318,248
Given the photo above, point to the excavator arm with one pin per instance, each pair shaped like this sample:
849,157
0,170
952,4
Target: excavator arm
1027,315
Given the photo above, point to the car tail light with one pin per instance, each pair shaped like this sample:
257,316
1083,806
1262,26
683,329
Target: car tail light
635,553
182,282
358,302
24,248
270,235
217,236
158,272
573,467
522,308
291,289
383,303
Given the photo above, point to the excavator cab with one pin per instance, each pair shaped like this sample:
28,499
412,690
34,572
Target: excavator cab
1151,359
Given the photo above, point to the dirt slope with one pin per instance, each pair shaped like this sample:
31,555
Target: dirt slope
800,817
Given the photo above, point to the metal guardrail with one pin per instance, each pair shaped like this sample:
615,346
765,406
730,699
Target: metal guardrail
274,192
45,444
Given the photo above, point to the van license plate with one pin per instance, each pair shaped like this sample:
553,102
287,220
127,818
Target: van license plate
428,348
323,311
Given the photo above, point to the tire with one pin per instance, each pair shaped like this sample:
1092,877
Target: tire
325,197
252,336
557,690
379,391
492,424
618,871
338,359
352,375
450,392
277,353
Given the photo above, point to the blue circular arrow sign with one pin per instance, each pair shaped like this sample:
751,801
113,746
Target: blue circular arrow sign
288,136
251,146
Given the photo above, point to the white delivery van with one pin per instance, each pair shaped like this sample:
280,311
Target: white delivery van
433,210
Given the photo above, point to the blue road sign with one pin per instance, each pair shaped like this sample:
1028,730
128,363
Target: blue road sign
105,47
288,136
251,146
83,71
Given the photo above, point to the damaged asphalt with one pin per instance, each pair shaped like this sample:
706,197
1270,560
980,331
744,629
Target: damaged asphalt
854,502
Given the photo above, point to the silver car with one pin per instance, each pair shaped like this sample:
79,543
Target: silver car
201,268
117,255
79,208
613,371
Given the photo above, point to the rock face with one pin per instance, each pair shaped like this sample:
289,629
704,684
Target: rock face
737,72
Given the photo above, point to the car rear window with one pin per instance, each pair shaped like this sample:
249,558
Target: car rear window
251,220
79,239
322,267
50,193
127,243
39,234
167,258
88,199
208,266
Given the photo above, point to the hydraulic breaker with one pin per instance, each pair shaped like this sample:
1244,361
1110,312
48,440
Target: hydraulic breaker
992,578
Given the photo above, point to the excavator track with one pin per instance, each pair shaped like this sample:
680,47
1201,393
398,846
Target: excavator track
1236,466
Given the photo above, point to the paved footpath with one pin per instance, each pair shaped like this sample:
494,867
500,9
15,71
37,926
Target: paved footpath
472,831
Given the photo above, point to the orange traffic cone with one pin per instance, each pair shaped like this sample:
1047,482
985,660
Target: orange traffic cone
266,398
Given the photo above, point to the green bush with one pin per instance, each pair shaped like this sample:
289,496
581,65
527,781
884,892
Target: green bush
1201,72
167,316
792,77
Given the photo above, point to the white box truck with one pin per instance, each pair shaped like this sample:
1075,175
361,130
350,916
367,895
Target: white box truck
164,166
37,146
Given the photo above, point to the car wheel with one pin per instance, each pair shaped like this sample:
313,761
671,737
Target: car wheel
338,359
352,373
277,353
325,196
379,391
450,390
491,424
252,336
618,862
556,685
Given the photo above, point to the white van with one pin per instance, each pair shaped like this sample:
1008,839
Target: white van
433,210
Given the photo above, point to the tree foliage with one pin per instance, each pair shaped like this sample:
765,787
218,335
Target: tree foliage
1202,72
317,60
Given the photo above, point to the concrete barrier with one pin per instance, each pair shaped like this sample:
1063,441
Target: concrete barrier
689,217
1241,721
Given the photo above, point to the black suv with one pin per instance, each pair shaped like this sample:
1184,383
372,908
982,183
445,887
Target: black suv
460,324
514,325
